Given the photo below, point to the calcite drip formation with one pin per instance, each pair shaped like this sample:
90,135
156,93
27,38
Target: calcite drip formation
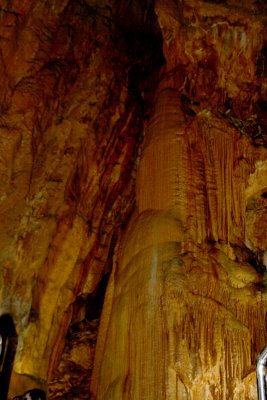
189,306
190,316
134,147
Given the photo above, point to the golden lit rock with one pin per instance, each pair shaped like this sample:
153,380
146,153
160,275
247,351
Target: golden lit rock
184,307
187,292
133,145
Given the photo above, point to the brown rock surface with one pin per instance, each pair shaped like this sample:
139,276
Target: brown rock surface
112,161
72,378
70,130
188,289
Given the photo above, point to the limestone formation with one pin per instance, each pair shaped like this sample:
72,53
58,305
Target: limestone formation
133,149
188,289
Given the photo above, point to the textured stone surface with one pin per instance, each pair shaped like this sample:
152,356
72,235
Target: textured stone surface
190,308
113,159
188,288
72,379
69,131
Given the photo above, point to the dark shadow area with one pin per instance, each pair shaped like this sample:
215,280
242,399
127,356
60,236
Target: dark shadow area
33,394
262,105
8,344
140,40
216,1
94,302
261,66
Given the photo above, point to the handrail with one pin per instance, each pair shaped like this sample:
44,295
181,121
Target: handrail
261,374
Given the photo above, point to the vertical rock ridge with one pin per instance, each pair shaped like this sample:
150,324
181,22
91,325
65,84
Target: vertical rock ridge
197,161
179,217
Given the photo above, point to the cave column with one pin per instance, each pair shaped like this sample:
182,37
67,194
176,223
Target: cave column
134,348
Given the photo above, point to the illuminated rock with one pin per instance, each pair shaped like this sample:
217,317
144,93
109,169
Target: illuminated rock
113,158
185,311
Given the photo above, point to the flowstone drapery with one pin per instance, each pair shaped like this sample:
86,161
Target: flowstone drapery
185,311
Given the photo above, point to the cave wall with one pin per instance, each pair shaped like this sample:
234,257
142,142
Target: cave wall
133,143
71,118
185,311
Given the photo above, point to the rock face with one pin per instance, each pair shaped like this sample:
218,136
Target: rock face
187,291
70,130
134,147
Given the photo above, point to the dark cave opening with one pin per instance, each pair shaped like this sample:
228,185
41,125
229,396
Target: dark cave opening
89,308
141,41
94,301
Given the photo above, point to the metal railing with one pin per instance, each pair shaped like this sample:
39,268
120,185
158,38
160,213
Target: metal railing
261,374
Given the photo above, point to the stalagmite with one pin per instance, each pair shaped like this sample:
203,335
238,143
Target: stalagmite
185,314
185,319
133,170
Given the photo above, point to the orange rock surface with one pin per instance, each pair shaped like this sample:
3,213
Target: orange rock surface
185,310
133,143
